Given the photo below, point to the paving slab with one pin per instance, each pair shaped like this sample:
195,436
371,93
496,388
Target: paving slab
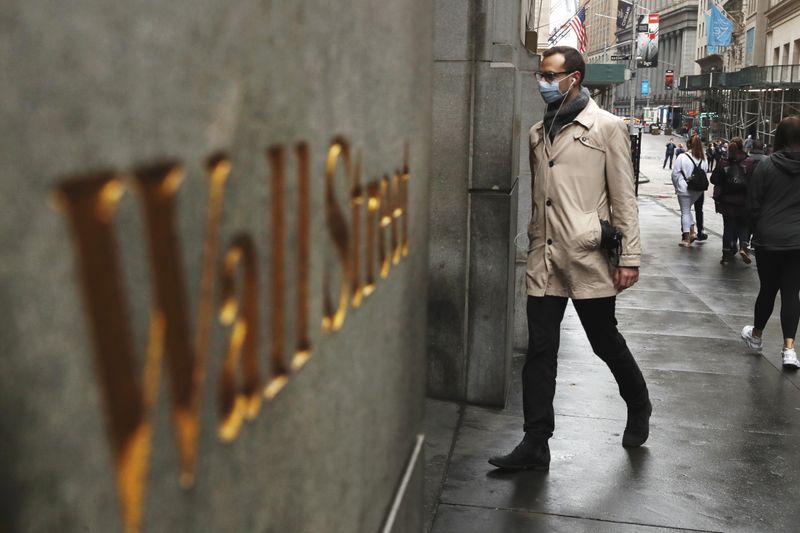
440,423
725,425
465,519
710,479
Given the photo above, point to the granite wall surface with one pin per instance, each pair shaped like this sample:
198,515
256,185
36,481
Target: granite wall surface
95,85
481,115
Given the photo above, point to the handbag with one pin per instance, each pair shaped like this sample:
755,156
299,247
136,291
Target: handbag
611,241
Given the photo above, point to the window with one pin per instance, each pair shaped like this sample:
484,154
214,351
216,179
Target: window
786,54
796,54
748,48
776,56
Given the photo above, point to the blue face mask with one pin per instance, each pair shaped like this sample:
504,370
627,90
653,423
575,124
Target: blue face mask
550,91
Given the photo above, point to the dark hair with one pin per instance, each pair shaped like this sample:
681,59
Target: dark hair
696,146
735,146
787,134
573,60
758,144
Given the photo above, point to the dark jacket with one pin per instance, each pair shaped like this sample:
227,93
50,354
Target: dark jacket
757,156
773,202
728,200
670,148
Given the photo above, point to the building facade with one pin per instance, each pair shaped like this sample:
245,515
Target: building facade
676,43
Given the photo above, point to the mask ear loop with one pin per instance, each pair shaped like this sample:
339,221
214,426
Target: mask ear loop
559,107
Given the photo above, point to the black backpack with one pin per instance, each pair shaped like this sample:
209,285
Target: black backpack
698,181
736,181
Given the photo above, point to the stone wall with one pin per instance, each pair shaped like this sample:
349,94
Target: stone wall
481,112
94,85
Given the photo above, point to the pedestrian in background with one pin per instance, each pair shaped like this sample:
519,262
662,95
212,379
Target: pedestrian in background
683,172
773,203
670,152
581,174
730,194
679,150
748,144
757,153
710,156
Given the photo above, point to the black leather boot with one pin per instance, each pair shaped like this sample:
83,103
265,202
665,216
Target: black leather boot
530,454
638,427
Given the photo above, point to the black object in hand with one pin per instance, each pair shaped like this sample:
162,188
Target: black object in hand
611,241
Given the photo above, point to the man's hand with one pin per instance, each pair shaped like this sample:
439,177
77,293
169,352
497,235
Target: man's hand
625,277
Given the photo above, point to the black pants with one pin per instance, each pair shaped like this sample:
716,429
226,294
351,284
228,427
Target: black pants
698,212
667,156
735,233
539,373
779,271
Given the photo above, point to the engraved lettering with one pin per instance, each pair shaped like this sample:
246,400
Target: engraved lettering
279,376
333,318
303,348
235,405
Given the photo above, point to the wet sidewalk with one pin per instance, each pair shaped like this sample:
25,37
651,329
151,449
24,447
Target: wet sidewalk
724,448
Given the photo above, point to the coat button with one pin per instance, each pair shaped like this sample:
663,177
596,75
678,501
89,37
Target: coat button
549,241
548,203
583,139
552,163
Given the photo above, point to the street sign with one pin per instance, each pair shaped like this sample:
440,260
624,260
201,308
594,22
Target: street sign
620,58
645,87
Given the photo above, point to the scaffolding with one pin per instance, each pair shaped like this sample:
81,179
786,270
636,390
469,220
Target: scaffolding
748,102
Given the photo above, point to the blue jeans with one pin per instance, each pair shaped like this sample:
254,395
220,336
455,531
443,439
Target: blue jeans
735,233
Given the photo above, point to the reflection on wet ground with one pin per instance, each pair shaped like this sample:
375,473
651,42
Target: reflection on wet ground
725,437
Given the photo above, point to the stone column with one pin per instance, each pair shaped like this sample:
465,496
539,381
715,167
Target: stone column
477,108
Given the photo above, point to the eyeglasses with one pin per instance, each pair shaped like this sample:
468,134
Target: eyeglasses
548,76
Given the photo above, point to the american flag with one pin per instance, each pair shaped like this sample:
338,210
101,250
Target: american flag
577,25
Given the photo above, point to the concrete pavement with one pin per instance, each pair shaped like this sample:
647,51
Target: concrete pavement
722,454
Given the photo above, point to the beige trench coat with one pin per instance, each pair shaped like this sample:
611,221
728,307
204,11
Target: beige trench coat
585,175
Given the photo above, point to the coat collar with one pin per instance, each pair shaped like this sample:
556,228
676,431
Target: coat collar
585,118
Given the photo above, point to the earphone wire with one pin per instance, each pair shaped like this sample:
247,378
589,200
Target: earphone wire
564,99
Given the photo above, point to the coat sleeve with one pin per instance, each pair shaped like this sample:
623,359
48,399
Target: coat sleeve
619,179
718,175
678,180
755,194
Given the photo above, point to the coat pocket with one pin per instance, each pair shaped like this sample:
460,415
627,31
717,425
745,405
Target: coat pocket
589,232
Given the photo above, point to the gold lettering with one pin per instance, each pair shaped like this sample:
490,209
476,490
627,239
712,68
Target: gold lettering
279,376
373,205
90,203
303,348
333,319
386,223
157,185
235,406
396,208
356,202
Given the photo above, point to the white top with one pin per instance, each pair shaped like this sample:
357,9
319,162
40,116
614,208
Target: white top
684,163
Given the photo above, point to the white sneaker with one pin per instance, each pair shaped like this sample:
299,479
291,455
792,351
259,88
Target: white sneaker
754,343
790,358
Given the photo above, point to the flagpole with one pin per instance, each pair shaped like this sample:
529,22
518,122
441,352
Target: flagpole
564,28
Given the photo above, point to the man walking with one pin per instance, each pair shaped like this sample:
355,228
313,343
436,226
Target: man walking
581,172
669,154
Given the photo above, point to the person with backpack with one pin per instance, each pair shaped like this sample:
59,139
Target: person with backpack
730,193
773,203
689,177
